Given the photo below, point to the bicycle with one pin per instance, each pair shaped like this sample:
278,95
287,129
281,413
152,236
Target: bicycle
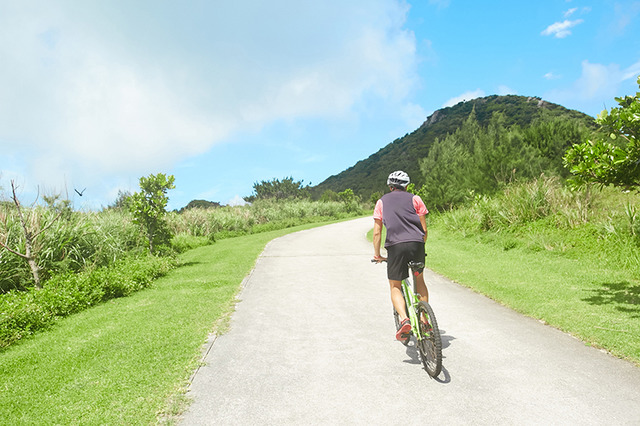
426,332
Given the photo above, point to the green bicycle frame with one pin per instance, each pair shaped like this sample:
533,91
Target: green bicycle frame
411,298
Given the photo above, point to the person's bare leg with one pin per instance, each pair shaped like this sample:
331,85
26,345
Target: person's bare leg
398,299
421,287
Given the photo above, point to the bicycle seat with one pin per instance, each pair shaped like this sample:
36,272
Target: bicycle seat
416,265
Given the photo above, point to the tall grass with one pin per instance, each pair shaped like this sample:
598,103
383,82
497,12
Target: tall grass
260,216
538,199
521,204
73,242
544,215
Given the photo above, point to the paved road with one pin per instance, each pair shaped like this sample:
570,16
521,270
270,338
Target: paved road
312,342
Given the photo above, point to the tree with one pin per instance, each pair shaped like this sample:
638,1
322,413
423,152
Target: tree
484,159
350,200
551,137
200,204
122,202
447,171
278,189
376,196
329,195
33,223
148,208
611,157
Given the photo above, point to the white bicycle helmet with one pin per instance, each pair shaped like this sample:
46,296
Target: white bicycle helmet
398,178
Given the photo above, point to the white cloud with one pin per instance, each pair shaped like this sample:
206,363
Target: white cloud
570,12
631,72
561,29
597,85
603,80
113,110
122,88
551,76
625,14
466,96
596,79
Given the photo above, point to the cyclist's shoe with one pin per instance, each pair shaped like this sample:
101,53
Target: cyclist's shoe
404,330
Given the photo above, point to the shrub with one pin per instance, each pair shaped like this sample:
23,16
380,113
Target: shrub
148,209
23,313
184,242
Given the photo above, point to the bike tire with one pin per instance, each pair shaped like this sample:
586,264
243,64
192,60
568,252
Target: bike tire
429,342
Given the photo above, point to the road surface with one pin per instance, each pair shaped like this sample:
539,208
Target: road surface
312,342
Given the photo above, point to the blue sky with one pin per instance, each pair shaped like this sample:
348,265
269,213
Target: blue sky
224,94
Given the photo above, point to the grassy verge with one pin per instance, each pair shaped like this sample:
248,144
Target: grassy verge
128,360
577,292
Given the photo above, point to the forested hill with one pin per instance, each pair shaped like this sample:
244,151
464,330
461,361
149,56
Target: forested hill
515,112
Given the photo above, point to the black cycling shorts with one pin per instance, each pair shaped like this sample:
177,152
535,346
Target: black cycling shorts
398,258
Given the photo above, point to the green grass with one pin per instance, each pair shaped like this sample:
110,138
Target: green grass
128,361
575,290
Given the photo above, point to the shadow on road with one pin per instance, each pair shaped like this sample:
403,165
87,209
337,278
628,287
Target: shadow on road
446,339
414,357
412,353
444,376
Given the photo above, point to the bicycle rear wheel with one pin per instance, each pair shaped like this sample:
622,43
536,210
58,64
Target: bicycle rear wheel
429,342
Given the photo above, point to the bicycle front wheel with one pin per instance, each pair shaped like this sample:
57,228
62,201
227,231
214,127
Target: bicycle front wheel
429,342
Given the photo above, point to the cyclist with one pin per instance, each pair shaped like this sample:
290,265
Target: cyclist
404,216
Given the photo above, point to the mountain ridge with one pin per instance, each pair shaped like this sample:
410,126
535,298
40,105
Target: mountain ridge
369,175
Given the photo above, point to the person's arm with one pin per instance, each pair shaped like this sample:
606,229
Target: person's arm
377,231
423,221
422,212
377,239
